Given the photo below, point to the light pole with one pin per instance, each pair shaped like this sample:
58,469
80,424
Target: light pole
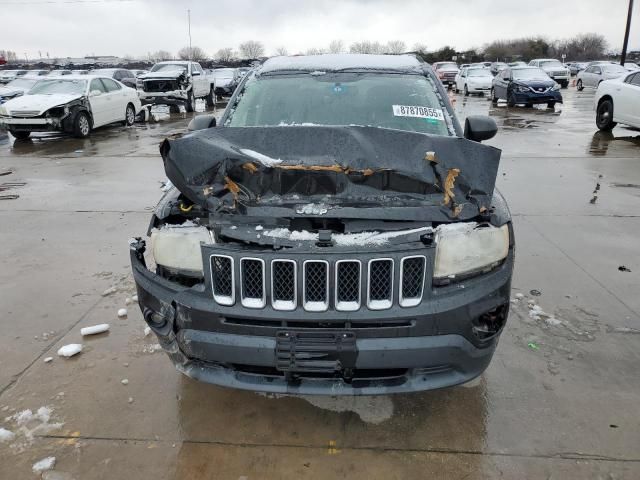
623,58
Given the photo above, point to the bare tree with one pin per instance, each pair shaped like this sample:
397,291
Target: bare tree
224,55
8,55
336,46
366,47
159,56
195,53
315,51
420,47
396,46
282,51
251,49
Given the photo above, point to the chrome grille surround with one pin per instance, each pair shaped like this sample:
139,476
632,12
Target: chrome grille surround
282,272
412,277
252,282
223,279
315,285
346,299
379,296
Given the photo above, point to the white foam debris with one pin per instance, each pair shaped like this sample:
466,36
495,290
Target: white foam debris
147,331
94,329
130,400
124,381
48,359
127,301
151,348
44,464
312,209
200,106
109,291
31,424
122,312
519,295
552,321
259,227
134,298
6,435
70,350
263,159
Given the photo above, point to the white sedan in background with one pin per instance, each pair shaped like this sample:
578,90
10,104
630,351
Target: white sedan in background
474,80
594,74
618,101
74,104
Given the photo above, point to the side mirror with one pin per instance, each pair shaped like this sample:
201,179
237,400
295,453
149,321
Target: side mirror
202,122
479,128
95,93
195,74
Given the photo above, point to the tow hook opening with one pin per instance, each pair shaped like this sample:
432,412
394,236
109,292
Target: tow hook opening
490,323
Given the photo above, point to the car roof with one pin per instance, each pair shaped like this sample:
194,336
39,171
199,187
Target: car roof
177,62
335,62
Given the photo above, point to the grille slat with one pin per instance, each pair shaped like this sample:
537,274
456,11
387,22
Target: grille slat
412,280
283,284
252,275
348,285
222,279
380,284
316,285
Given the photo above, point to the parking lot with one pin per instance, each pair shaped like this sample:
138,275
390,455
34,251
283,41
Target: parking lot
559,400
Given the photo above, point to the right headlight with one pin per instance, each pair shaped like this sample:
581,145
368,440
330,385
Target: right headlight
468,248
178,248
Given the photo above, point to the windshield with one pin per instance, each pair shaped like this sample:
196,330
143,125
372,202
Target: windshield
402,102
529,74
551,63
614,69
47,87
480,72
167,67
21,83
223,73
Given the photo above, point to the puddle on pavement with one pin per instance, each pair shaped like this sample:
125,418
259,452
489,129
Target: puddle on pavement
602,142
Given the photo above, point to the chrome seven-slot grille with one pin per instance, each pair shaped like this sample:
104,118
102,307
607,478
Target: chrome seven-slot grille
346,285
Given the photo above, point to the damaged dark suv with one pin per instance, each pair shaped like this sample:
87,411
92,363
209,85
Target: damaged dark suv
336,233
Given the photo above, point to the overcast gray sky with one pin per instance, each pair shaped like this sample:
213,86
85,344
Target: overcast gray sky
117,27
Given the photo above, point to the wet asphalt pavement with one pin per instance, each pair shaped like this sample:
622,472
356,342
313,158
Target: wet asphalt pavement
560,400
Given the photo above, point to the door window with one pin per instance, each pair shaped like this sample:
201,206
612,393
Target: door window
634,80
96,84
597,70
110,85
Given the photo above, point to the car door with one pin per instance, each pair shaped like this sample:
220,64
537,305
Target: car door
117,100
99,102
502,83
595,76
199,81
626,101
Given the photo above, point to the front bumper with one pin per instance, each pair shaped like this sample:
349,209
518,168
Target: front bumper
31,124
174,97
433,345
533,97
478,88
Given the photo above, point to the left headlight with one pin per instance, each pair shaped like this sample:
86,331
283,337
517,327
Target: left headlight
178,248
468,248
3,111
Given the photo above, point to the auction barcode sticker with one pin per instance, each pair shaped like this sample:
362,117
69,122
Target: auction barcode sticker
417,112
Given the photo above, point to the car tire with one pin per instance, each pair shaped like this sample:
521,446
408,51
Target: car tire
190,103
466,90
129,115
455,89
564,84
20,135
511,99
211,99
551,105
494,99
81,125
604,116
580,86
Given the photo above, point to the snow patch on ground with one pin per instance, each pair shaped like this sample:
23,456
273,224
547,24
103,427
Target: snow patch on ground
44,464
29,424
263,159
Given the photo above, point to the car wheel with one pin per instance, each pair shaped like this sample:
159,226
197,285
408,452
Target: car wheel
81,125
20,135
494,99
564,84
455,89
466,90
551,105
580,86
511,99
211,99
604,116
129,115
190,102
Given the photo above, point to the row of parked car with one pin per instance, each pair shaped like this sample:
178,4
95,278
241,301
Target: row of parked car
76,103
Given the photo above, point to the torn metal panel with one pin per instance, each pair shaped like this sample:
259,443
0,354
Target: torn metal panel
349,168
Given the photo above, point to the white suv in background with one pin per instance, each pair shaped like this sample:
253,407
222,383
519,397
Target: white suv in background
554,68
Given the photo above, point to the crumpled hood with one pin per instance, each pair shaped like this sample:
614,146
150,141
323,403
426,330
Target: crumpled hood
348,171
38,102
164,74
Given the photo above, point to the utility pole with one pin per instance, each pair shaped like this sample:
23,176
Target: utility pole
189,22
623,58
